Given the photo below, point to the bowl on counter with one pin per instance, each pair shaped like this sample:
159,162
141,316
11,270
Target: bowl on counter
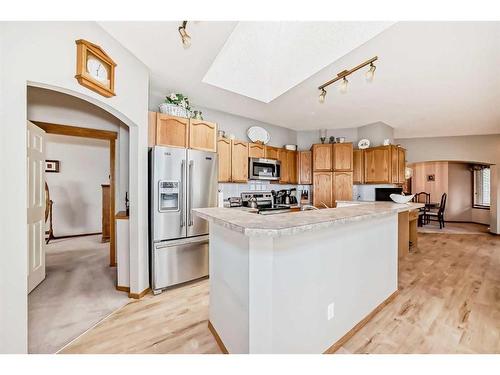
398,198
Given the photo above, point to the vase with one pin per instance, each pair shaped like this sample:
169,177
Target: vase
197,115
174,110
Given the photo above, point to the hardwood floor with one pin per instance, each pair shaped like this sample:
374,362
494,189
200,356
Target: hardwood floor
449,302
454,228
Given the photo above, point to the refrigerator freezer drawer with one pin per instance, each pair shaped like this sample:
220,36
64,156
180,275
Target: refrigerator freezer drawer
178,261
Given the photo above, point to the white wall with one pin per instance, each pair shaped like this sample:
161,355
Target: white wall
76,190
44,54
58,108
306,138
474,148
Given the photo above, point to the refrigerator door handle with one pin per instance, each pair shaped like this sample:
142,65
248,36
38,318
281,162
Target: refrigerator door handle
181,193
190,196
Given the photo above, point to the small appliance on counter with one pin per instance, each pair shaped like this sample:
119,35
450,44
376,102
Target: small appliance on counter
234,201
284,197
257,200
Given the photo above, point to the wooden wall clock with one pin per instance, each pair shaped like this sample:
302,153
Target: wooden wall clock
95,70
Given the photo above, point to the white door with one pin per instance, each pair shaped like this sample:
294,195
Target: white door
36,205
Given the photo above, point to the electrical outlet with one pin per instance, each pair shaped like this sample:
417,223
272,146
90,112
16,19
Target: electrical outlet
331,311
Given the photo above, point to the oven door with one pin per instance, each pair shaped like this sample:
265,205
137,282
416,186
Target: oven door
263,169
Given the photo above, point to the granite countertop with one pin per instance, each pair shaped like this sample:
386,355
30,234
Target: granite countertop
253,224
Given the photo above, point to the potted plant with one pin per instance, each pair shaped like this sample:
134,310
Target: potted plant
176,105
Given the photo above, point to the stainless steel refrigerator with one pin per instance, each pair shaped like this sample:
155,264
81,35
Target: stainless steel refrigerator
180,180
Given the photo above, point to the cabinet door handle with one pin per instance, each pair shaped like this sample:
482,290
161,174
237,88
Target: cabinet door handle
190,196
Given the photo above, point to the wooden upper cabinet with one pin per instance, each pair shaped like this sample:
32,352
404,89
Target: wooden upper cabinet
239,161
271,152
224,159
394,165
342,157
323,189
342,186
202,135
358,167
292,167
322,157
284,169
305,167
171,130
402,164
256,150
377,162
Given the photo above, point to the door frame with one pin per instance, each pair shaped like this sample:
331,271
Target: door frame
111,136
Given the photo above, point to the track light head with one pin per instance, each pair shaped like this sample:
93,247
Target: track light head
371,72
186,39
322,96
343,85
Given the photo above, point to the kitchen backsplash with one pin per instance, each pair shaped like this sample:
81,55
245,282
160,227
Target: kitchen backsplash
235,190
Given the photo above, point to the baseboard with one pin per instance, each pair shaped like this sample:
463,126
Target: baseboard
75,235
337,345
139,295
217,338
123,288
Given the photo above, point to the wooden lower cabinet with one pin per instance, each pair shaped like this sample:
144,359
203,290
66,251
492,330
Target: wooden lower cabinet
342,186
224,159
305,167
239,161
323,189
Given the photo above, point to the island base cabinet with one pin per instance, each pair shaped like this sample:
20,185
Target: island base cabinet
247,315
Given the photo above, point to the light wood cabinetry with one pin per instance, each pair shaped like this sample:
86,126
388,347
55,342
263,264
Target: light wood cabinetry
358,167
402,164
151,129
202,135
377,165
271,152
106,209
283,158
256,150
305,167
171,130
342,186
342,157
384,165
224,159
323,189
239,161
322,157
292,167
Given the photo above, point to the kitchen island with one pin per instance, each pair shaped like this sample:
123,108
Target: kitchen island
299,282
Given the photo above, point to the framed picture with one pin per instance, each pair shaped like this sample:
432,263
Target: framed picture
52,166
431,177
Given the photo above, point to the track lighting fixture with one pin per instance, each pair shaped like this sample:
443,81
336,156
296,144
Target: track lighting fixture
322,96
371,72
343,85
186,39
343,76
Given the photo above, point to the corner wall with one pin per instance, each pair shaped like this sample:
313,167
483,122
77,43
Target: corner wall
43,54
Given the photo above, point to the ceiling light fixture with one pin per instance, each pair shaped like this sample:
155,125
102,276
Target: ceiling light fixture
371,72
343,76
186,39
343,86
322,96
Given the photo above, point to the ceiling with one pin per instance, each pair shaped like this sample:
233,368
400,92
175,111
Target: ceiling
432,78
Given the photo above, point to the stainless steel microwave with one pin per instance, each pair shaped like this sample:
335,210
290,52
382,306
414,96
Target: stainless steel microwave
263,169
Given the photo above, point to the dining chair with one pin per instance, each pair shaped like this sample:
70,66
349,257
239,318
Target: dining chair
424,198
439,214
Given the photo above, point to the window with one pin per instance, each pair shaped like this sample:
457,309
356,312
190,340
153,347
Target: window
481,185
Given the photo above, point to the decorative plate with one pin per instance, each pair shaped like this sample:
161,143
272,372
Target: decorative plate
364,143
258,134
